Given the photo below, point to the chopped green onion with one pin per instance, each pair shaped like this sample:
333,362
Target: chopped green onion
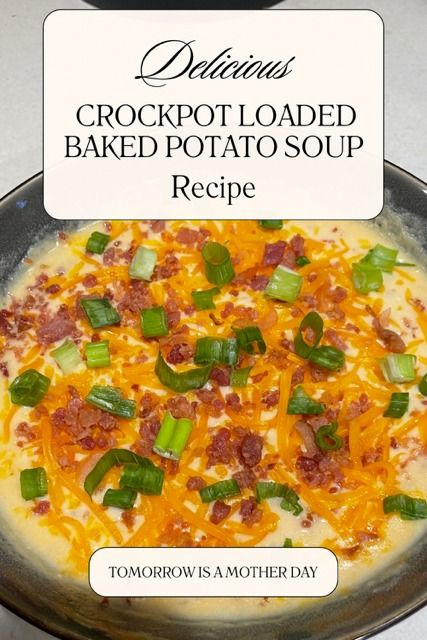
290,499
326,438
300,403
99,312
366,277
248,335
154,322
270,224
110,459
399,403
219,490
98,354
313,321
327,357
239,377
33,483
120,498
97,242
381,257
284,284
398,367
218,267
423,385
301,261
67,356
29,388
288,543
408,508
204,299
146,480
184,381
405,264
223,350
172,436
143,263
111,399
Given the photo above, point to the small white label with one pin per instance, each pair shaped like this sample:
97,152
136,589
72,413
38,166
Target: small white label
213,572
213,114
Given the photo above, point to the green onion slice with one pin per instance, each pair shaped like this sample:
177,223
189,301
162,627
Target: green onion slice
366,277
99,312
29,388
184,381
239,377
67,356
218,267
423,385
120,498
97,242
204,299
290,499
110,459
313,321
143,263
301,262
219,490
288,543
399,403
111,399
224,350
398,367
270,224
33,483
284,284
154,322
300,403
249,335
381,257
146,480
326,438
328,357
98,354
172,437
408,508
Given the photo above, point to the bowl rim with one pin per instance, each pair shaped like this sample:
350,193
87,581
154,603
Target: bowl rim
45,626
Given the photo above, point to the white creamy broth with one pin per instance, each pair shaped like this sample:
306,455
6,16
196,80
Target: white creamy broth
41,535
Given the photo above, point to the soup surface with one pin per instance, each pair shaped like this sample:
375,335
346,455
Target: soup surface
288,416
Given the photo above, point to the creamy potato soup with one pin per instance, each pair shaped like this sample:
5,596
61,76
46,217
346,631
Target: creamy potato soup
215,384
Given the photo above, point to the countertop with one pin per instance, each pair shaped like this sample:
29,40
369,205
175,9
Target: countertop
21,137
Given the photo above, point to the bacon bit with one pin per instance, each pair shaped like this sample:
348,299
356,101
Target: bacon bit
187,236
273,253
352,327
221,376
4,369
312,276
297,245
214,404
418,304
180,352
157,226
357,407
233,402
41,508
306,524
128,518
220,511
317,374
219,451
148,429
245,478
228,310
373,454
169,267
62,236
60,326
259,376
321,471
109,256
89,281
53,288
148,402
391,340
172,309
250,512
214,319
288,345
5,325
78,419
394,443
270,398
298,376
306,432
180,407
335,339
337,294
176,533
137,296
25,431
251,450
195,483
258,282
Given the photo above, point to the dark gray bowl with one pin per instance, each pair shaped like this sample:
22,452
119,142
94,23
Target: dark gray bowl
74,612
